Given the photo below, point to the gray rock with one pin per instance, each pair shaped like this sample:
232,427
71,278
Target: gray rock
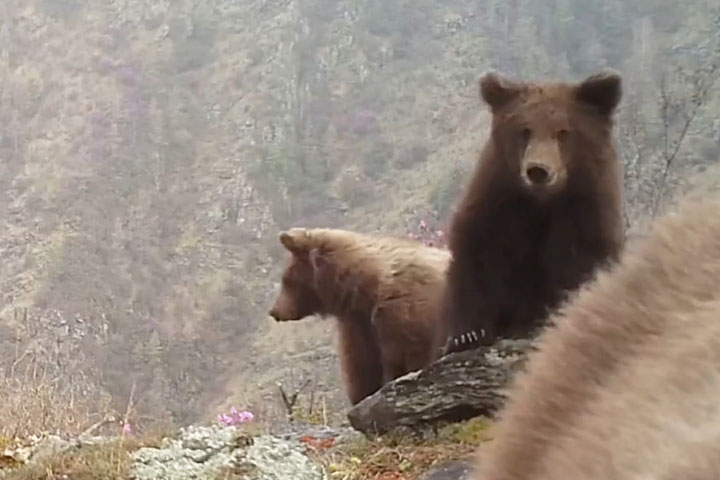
456,470
456,387
341,434
49,446
207,452
37,450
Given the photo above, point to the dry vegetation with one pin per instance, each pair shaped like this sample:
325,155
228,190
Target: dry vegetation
46,385
399,456
110,460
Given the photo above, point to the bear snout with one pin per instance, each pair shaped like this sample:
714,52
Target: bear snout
278,314
282,312
538,175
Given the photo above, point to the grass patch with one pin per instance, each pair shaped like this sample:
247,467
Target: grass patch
401,456
106,461
110,461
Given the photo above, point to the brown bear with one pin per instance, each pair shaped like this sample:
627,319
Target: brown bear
384,291
626,378
542,212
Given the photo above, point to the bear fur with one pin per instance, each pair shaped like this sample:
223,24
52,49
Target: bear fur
542,212
384,291
626,378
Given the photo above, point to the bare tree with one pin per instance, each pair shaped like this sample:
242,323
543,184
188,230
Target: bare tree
659,114
678,111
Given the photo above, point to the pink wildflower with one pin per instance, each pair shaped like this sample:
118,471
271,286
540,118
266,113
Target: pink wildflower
246,416
235,417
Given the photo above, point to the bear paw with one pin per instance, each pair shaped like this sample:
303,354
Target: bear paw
463,341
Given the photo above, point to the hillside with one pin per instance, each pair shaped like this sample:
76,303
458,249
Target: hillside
151,151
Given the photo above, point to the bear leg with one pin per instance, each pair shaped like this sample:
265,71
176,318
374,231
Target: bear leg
360,359
468,311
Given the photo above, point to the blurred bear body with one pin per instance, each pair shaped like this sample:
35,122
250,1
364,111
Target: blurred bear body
626,378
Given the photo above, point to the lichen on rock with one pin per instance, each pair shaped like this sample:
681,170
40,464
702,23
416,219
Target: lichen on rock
207,452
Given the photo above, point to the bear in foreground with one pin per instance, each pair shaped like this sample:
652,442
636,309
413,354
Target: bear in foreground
626,380
384,291
543,210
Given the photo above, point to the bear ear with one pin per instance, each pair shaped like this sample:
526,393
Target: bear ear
497,90
295,240
602,90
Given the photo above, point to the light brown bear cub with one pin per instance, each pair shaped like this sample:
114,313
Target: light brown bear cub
626,383
384,292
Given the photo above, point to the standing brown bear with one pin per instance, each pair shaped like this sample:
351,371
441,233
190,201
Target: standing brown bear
384,291
542,212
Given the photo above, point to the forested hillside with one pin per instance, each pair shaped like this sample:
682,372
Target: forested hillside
152,150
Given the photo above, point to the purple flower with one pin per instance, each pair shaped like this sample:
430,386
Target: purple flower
234,417
246,416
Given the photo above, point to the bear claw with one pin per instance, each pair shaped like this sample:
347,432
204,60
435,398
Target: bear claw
464,341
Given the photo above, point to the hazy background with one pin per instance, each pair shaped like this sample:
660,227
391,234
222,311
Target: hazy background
151,151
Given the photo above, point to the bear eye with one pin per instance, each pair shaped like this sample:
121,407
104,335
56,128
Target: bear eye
525,133
562,134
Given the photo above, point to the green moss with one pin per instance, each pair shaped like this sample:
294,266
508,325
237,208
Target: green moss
315,417
472,432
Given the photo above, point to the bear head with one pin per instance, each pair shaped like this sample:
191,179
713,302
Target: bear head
545,134
298,297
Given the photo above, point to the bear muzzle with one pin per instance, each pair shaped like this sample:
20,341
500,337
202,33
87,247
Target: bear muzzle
542,167
280,314
277,315
540,176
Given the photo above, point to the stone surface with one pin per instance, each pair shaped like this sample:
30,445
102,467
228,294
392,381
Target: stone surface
456,470
207,452
457,387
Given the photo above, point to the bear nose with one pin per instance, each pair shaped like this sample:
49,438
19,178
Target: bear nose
273,313
538,174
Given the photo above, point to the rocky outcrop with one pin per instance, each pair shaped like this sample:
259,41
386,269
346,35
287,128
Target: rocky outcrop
208,452
457,387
